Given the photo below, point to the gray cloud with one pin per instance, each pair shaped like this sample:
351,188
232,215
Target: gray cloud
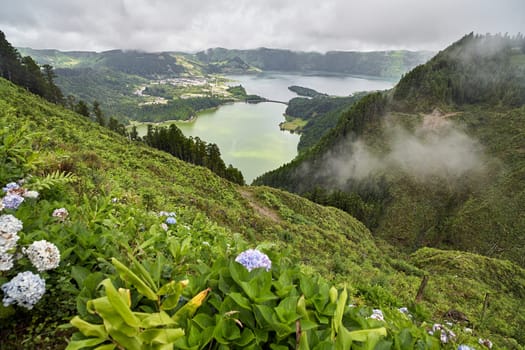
190,25
437,148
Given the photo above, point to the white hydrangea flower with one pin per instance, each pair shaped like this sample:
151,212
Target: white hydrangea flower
7,241
10,224
25,289
6,261
377,315
43,255
60,213
31,194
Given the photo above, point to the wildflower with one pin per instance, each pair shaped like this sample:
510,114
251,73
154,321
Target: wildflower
60,213
468,330
465,347
445,334
25,289
10,187
6,261
43,255
12,201
252,259
403,310
164,226
10,224
30,194
485,342
171,221
377,315
168,214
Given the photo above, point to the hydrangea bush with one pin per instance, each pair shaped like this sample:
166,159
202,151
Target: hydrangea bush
25,289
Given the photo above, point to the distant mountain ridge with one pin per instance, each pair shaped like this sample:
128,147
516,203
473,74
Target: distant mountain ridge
391,64
375,63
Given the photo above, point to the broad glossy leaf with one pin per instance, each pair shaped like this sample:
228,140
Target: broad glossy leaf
132,278
88,329
161,336
84,343
120,304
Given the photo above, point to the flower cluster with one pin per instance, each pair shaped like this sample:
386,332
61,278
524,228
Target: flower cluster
171,220
445,334
43,255
377,315
253,259
25,289
485,342
15,195
465,347
60,213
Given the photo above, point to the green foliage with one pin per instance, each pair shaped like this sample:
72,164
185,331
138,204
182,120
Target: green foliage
25,72
121,182
307,92
192,150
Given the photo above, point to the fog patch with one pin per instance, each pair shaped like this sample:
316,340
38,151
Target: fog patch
436,148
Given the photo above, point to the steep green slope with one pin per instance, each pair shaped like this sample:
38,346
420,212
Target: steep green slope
437,161
319,239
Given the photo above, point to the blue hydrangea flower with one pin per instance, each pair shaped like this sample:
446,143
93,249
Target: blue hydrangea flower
12,201
25,289
253,259
10,186
171,221
465,347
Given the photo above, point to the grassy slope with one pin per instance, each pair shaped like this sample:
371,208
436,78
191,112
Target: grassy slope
323,239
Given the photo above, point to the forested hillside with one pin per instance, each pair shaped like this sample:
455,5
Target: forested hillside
379,63
438,160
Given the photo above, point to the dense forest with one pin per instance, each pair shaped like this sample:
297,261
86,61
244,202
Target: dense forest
321,114
307,92
436,159
24,71
192,150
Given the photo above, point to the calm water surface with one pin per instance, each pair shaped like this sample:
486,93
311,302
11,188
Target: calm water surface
248,135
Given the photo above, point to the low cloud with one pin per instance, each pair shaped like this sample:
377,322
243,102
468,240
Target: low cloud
435,149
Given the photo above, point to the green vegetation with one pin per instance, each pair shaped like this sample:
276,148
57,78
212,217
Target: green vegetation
25,72
191,150
320,114
119,186
307,92
449,179
293,124
148,246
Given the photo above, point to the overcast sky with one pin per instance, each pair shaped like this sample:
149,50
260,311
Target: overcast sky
308,25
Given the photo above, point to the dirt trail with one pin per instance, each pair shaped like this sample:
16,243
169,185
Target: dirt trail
262,210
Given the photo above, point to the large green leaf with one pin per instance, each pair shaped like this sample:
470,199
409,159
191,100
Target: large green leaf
161,336
132,278
84,343
120,304
88,329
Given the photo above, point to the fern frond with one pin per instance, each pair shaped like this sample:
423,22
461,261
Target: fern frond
53,179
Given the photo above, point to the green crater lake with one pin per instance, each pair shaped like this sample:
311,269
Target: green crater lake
248,135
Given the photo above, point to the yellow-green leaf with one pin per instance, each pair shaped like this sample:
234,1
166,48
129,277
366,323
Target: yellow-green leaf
161,336
156,320
132,278
88,329
120,304
84,343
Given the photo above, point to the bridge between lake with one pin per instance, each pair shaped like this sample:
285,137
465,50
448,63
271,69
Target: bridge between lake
266,100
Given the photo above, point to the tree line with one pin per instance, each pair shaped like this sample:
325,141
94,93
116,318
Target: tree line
192,150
